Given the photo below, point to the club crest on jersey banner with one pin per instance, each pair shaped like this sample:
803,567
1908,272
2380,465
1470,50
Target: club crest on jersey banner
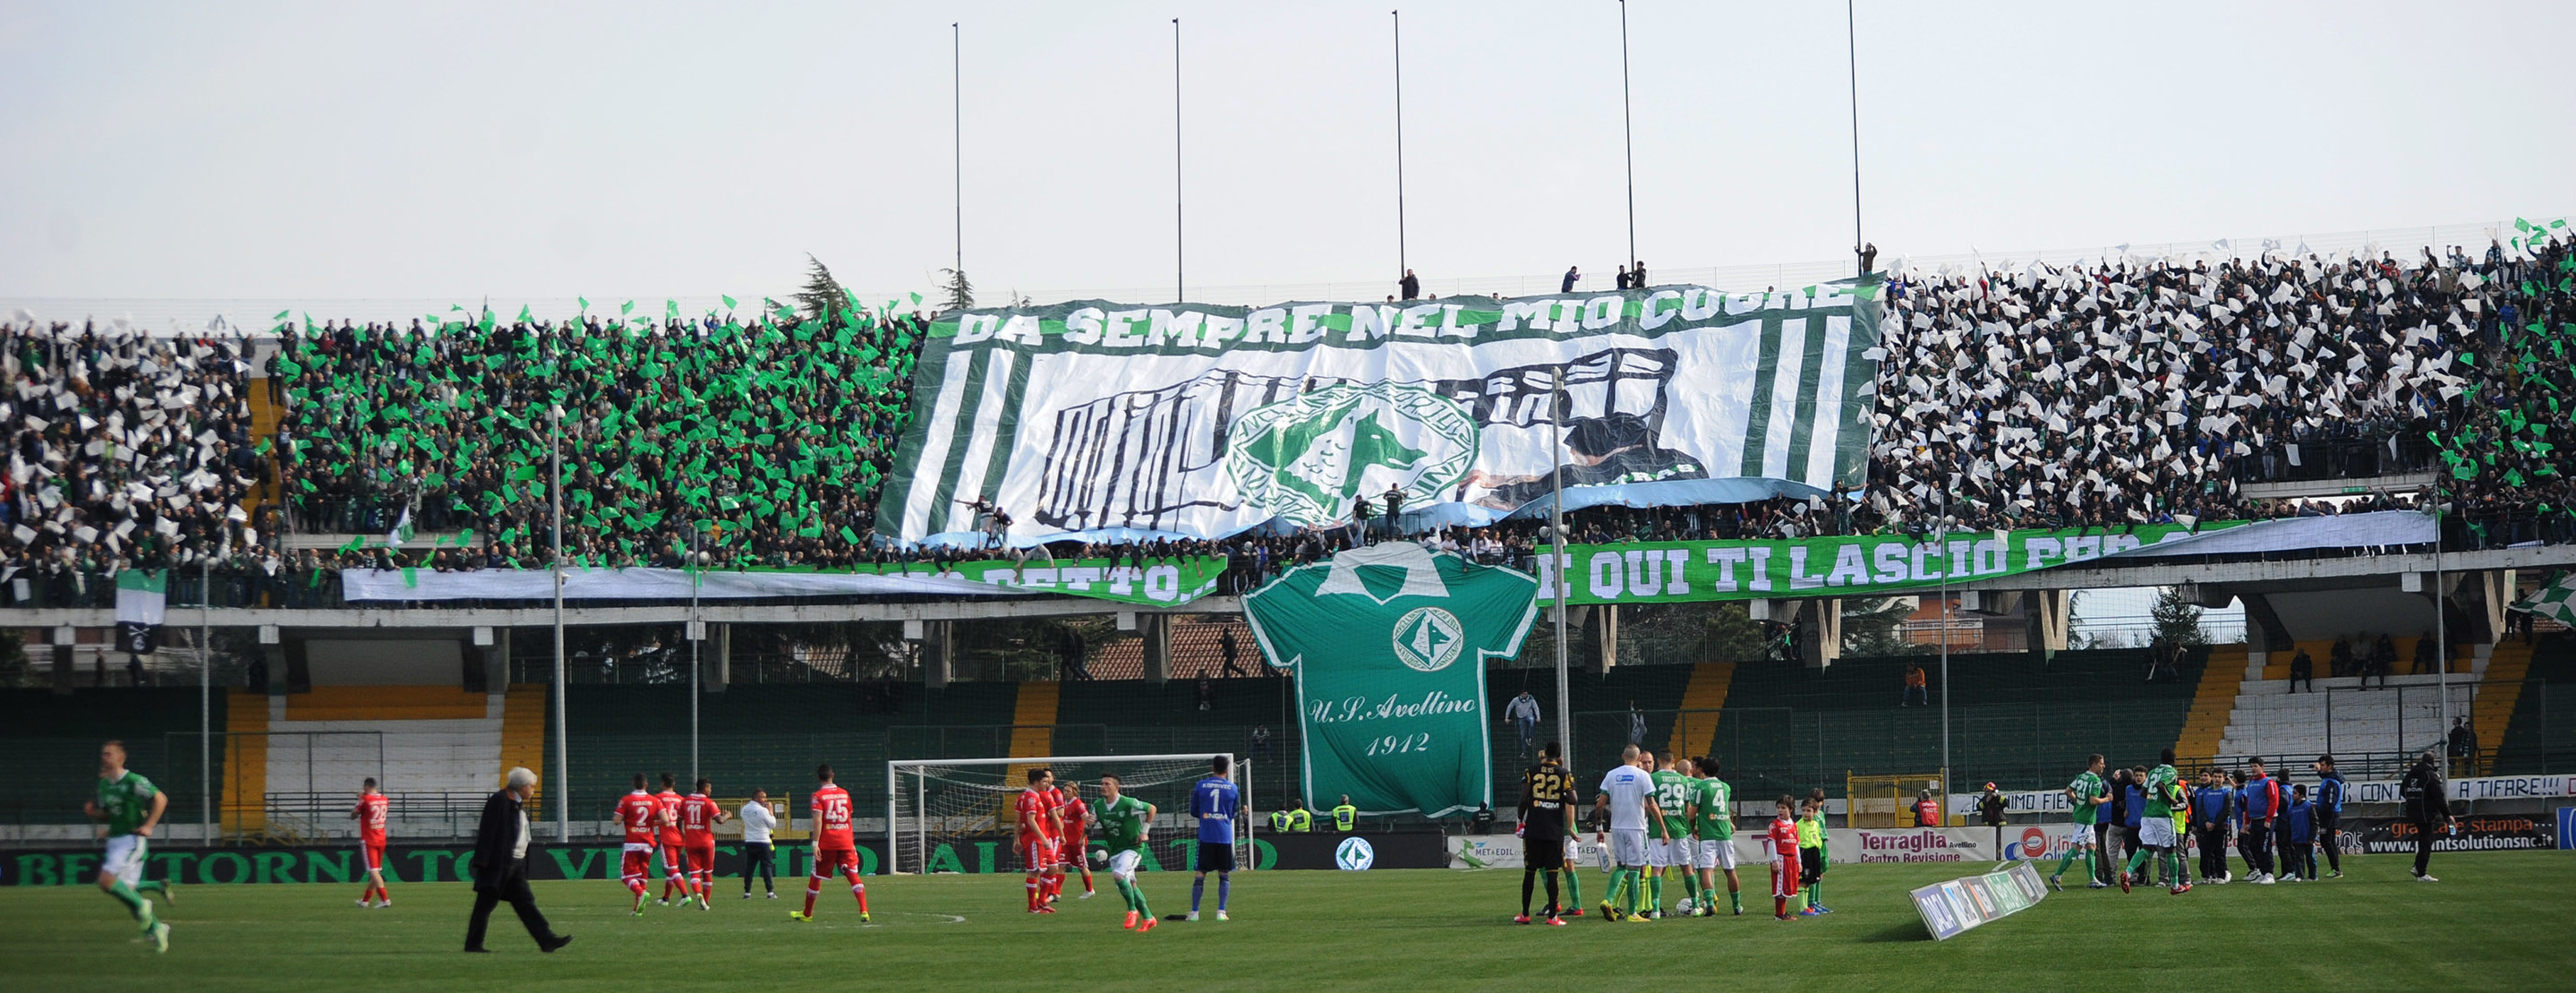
1388,645
1104,421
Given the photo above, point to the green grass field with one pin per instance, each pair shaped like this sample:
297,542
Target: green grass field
2496,921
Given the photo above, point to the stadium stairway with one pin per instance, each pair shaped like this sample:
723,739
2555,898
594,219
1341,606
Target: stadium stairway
263,424
245,803
1703,701
1033,718
2204,730
524,720
2500,692
2541,737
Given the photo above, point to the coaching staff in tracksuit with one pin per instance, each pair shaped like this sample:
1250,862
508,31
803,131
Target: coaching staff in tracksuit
2262,803
2213,808
2428,805
2329,799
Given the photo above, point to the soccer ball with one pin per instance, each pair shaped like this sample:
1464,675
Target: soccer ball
1099,858
1685,907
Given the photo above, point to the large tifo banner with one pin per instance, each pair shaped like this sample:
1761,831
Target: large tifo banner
1388,644
1163,582
1101,420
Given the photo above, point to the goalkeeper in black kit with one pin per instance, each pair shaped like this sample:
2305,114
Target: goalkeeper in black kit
1547,820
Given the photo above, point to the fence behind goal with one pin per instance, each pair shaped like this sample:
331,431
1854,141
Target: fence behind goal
944,805
1888,801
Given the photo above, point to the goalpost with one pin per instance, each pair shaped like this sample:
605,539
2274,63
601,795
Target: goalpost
966,804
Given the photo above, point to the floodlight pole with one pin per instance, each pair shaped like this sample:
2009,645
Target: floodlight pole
554,568
1400,260
205,701
1180,285
697,679
1628,130
2441,632
1556,531
1851,52
1941,537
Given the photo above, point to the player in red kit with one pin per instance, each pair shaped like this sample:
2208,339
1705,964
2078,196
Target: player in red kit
675,868
834,849
641,816
1075,815
1035,844
370,815
698,819
1781,843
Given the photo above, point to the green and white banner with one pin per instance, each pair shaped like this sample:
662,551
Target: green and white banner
2556,601
1389,644
141,601
1093,419
1679,571
1154,582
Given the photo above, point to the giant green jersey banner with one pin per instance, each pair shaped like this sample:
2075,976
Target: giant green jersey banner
1101,420
1388,645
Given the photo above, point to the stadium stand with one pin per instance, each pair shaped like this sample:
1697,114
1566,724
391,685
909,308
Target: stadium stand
2541,739
2095,395
52,742
2015,720
779,427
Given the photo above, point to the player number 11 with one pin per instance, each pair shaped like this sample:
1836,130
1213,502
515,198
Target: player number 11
1399,744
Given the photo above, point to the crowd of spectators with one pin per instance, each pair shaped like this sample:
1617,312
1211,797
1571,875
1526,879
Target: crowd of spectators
2146,391
2097,396
124,451
776,430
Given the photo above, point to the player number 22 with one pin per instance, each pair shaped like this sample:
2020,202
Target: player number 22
1399,744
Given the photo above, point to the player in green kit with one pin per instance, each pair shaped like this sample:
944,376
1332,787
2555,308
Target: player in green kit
2156,832
2086,795
128,806
1712,823
1671,847
1123,822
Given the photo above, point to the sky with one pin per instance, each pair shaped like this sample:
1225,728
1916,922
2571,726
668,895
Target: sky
450,150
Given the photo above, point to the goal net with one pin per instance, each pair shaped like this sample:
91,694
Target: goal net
1888,801
957,815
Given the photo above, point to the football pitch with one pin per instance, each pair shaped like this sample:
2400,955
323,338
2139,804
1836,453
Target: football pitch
2496,921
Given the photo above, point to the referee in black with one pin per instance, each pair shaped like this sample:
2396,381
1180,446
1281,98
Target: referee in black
1547,819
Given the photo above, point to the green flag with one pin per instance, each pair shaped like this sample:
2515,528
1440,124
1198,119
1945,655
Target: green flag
1389,645
2556,601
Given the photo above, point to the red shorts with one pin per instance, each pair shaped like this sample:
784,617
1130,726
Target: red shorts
1784,875
702,859
637,865
828,861
1036,853
1074,851
372,854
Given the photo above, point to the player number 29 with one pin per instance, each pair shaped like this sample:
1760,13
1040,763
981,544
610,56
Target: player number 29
1399,744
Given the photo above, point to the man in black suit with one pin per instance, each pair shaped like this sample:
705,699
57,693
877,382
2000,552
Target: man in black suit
500,865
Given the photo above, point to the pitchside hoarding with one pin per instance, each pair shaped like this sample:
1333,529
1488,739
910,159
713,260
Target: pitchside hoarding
448,863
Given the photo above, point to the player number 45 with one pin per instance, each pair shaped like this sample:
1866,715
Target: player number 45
1399,744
